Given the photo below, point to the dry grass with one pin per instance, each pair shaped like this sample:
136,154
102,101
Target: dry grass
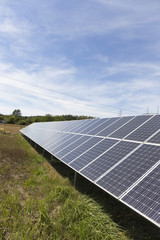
10,128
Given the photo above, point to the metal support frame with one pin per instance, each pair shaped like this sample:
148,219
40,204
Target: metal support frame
43,151
75,178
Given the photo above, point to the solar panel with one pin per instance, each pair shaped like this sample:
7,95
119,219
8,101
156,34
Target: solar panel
122,157
72,146
83,125
102,126
130,126
145,196
45,135
49,125
146,130
47,140
70,125
108,159
155,138
81,149
34,134
92,153
61,144
114,126
120,178
66,143
96,124
56,139
90,124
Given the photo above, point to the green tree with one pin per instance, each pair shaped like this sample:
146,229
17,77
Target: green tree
48,118
17,113
1,117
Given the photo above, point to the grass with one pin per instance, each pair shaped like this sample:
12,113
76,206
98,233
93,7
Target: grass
10,128
38,201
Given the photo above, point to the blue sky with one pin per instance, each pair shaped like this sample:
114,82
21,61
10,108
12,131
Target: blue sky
80,57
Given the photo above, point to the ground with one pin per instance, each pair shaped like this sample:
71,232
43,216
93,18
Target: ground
39,201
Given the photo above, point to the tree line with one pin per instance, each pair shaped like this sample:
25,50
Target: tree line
17,118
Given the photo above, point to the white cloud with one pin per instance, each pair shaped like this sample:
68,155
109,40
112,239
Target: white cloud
92,17
65,96
44,75
8,27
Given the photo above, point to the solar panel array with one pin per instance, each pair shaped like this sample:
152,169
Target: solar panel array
121,155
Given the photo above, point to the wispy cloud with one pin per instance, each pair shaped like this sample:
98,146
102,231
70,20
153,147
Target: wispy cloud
97,97
91,57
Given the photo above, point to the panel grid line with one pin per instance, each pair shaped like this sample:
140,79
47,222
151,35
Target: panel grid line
158,131
99,156
151,116
100,125
86,150
115,165
139,180
108,126
121,126
139,126
90,125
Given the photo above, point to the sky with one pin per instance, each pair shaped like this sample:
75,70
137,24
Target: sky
96,58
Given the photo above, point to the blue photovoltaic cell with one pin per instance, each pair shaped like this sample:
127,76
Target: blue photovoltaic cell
70,124
72,146
118,180
146,130
74,124
56,149
86,123
92,153
55,139
54,143
102,126
36,134
38,138
96,124
81,149
82,128
155,138
40,125
114,126
47,140
145,196
130,126
48,125
108,159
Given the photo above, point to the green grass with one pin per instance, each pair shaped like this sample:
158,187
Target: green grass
36,202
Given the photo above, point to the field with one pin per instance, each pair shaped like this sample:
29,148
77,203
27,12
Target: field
10,128
39,201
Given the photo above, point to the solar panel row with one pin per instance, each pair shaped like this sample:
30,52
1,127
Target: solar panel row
114,153
145,196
